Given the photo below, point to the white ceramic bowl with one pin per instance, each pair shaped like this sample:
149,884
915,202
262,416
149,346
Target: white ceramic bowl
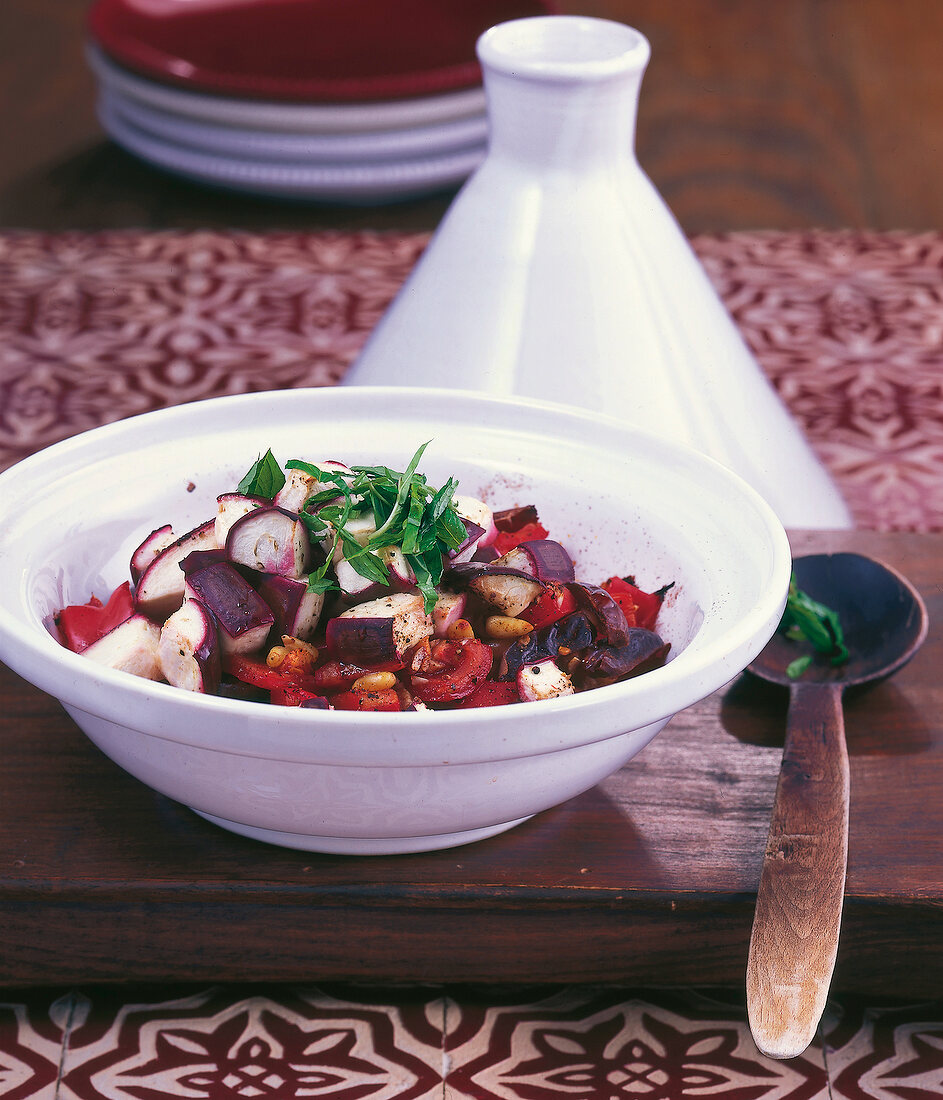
623,502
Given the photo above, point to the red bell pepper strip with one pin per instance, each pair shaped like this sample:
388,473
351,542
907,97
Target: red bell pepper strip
553,603
82,624
385,699
507,540
640,608
492,693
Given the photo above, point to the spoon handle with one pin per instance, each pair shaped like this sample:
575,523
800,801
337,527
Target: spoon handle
802,884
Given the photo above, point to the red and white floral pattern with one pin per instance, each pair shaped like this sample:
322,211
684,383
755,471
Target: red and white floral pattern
94,327
452,1043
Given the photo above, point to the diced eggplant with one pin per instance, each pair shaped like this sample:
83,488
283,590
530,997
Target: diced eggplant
361,528
469,547
543,680
612,628
243,617
380,631
199,559
296,610
189,648
294,494
315,702
478,513
449,607
547,560
231,507
400,571
160,591
643,650
299,486
129,647
502,585
355,588
149,549
270,540
510,520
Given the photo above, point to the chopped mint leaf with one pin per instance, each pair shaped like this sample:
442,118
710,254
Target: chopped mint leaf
796,668
805,619
263,479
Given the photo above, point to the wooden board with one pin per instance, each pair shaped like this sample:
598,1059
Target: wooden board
649,878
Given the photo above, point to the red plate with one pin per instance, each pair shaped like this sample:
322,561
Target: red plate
305,50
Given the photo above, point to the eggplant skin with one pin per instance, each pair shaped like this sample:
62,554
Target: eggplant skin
643,651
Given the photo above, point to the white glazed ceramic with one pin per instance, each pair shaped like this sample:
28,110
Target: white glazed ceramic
289,118
354,182
621,501
307,149
559,271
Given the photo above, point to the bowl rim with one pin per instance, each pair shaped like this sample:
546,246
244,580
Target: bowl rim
36,655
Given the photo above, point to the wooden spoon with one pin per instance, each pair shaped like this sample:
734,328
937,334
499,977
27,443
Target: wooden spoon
802,883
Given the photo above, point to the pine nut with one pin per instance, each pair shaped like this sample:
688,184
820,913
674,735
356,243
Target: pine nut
276,656
296,643
374,681
459,631
504,626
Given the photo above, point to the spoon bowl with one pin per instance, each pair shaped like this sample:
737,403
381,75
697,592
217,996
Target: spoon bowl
794,941
882,615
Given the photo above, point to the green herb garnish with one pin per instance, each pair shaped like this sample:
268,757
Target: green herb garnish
264,478
408,513
807,619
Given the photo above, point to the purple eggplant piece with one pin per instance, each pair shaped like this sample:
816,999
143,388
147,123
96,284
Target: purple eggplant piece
190,650
199,559
510,520
401,575
316,702
612,628
508,589
131,646
380,631
299,486
540,680
466,551
231,507
569,637
449,608
644,650
485,554
161,588
244,618
549,561
296,610
230,688
149,549
270,540
356,588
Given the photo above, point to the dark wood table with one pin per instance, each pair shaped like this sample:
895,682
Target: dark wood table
649,878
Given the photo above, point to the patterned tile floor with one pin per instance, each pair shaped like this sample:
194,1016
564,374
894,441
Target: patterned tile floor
447,1043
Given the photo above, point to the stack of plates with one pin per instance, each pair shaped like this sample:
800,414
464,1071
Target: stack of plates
331,100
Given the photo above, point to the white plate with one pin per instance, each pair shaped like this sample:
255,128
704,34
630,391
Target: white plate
298,118
232,141
344,183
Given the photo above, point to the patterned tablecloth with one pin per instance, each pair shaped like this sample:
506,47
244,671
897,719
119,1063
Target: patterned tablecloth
94,327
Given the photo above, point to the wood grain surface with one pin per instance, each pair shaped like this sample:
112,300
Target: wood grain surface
811,113
648,878
794,941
